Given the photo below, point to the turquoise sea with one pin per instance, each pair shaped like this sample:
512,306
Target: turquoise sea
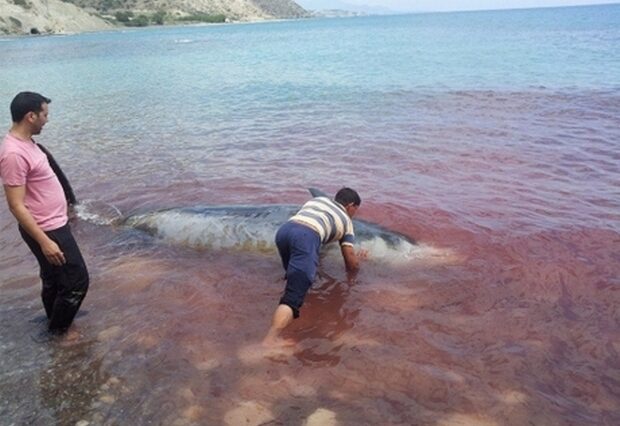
490,138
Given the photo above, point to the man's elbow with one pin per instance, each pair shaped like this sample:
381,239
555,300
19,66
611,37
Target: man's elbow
16,209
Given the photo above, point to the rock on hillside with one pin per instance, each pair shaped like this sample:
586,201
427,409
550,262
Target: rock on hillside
237,10
281,8
46,17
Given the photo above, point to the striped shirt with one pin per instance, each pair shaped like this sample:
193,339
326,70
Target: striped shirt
328,218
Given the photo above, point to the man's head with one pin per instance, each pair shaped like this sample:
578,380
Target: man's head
30,109
349,199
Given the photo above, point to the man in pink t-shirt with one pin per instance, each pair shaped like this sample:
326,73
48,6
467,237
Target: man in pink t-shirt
37,200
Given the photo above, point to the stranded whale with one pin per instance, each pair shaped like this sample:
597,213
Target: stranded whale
253,227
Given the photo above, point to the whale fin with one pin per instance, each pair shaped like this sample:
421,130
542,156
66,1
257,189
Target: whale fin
317,192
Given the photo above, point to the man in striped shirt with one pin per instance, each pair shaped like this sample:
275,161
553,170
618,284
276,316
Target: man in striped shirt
320,221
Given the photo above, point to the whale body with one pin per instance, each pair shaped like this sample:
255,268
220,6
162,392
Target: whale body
246,227
253,227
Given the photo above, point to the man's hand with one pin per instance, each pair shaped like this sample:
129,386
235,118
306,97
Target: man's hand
52,253
15,199
362,254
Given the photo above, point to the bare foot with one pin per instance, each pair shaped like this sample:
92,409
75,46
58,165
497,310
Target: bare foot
277,342
69,337
257,352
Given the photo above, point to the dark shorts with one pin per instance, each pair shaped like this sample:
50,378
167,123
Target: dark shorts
65,286
299,248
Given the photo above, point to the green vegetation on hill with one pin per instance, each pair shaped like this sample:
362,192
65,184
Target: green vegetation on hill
129,19
124,13
203,17
23,3
195,10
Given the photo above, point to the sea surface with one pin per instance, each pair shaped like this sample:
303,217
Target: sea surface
492,139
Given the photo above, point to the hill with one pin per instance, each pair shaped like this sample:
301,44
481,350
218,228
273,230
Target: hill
56,16
46,16
236,10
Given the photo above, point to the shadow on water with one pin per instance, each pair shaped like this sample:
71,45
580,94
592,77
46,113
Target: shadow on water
325,317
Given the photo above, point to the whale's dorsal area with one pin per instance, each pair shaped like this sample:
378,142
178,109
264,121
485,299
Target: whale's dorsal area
317,192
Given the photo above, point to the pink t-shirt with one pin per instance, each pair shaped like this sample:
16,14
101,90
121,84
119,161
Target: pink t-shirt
23,163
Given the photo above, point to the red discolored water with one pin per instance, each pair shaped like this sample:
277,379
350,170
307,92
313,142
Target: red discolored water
509,317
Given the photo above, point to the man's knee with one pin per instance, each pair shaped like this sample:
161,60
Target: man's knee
81,285
297,285
75,282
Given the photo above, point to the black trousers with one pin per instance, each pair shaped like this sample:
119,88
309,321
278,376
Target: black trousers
65,286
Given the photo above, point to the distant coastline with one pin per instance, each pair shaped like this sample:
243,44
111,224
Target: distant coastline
63,17
122,28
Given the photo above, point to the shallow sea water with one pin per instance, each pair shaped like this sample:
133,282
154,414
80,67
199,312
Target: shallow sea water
490,138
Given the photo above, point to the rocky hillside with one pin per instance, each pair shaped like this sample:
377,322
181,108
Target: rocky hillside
56,16
233,10
46,16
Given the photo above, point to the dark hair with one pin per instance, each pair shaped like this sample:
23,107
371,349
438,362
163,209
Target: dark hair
347,196
26,102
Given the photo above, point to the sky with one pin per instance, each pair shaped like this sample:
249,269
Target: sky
441,5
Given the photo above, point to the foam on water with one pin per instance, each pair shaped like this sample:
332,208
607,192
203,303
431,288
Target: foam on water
98,212
404,251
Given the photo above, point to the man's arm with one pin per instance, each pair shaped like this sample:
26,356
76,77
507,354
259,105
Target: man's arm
351,262
15,198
